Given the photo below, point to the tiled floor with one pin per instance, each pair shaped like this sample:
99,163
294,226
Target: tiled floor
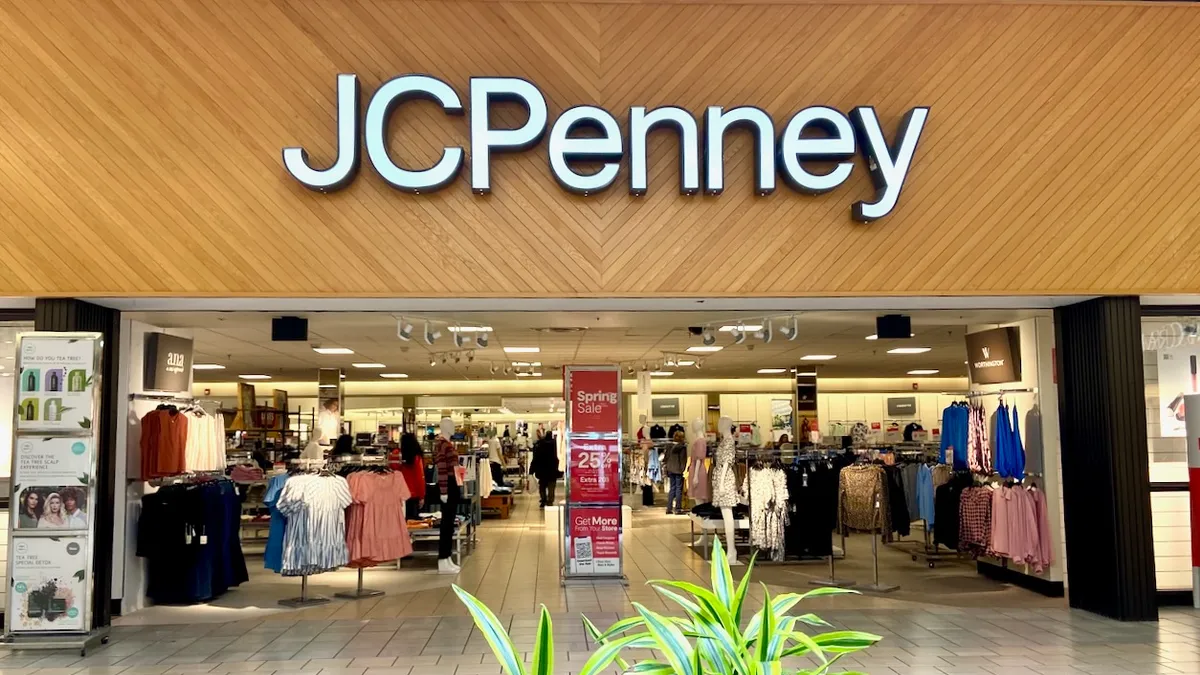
942,622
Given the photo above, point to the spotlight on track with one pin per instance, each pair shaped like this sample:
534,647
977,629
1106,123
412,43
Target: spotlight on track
739,334
707,337
791,329
765,333
431,334
404,330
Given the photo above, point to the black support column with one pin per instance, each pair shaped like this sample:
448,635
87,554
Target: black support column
1105,460
77,315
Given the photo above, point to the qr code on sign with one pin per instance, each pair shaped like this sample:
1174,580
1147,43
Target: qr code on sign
583,549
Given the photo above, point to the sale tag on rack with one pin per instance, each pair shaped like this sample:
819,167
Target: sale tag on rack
595,471
595,400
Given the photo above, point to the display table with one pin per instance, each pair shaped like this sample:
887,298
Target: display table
464,533
497,505
708,526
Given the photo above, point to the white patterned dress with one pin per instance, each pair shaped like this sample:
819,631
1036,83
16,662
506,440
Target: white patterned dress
315,538
724,478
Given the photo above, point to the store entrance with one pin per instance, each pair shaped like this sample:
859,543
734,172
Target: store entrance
825,445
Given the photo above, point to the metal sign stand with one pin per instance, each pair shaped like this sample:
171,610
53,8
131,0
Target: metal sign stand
567,575
304,600
877,530
53,379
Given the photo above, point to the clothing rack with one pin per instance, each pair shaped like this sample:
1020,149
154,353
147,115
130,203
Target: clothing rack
979,394
168,398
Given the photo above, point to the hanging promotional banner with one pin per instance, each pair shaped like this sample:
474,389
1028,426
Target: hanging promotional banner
595,471
594,540
591,517
595,400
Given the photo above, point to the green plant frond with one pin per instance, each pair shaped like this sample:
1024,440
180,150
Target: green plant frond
828,590
814,621
728,644
767,628
620,627
779,640
710,605
770,668
607,653
596,636
671,643
846,641
497,638
683,602
722,579
651,668
805,645
739,597
543,646
779,606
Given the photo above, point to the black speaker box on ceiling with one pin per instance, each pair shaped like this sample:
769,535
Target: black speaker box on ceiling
289,329
893,327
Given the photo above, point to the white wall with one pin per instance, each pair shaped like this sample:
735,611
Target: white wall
872,407
129,571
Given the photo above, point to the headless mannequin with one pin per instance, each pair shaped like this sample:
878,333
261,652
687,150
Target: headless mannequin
643,432
697,470
449,506
725,429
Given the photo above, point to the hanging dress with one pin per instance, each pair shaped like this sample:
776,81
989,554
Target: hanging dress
697,486
725,489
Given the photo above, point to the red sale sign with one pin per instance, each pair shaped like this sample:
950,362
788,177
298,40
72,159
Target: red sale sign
594,540
595,400
595,471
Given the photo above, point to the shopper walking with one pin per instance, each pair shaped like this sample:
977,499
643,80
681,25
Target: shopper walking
544,466
674,465
412,467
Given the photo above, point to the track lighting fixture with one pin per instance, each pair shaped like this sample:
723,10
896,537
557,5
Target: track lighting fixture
630,371
791,329
698,363
433,361
458,358
492,369
507,370
708,337
460,339
470,357
765,333
404,330
739,334
481,339
431,334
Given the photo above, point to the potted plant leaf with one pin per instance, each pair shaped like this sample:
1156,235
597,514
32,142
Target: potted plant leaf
709,639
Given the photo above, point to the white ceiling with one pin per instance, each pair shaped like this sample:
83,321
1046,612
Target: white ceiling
241,341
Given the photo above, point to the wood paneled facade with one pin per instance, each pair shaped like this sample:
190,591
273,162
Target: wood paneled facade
140,149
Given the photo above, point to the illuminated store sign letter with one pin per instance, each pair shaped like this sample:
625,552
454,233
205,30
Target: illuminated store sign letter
794,149
888,163
641,124
345,167
606,148
379,112
716,122
488,90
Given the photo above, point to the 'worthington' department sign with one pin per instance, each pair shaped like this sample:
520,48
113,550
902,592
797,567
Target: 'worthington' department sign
839,138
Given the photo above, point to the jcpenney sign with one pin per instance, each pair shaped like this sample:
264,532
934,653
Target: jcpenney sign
838,138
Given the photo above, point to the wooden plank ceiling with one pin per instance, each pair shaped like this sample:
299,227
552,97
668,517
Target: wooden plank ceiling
140,149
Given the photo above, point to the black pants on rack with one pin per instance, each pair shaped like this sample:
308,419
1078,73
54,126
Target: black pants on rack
412,508
497,473
449,510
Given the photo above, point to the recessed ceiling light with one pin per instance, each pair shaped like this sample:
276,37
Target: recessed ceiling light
332,350
705,349
255,377
527,364
522,350
529,374
809,374
207,366
5,374
874,336
394,376
818,357
661,373
771,371
746,328
909,350
326,386
685,362
924,371
470,329
368,365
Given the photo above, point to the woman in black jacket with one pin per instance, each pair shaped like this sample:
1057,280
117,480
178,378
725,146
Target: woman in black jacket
544,466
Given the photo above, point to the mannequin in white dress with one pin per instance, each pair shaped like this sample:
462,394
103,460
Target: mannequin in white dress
725,492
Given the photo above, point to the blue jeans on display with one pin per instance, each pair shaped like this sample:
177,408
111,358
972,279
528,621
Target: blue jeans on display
675,493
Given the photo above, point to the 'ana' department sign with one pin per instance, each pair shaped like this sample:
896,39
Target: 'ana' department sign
841,137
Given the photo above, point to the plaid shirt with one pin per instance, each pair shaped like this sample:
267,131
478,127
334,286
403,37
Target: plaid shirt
975,520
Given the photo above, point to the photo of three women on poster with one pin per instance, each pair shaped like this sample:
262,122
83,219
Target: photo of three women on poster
62,508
